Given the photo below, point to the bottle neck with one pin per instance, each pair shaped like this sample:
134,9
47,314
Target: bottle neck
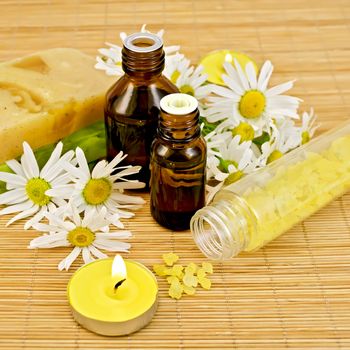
143,65
179,128
223,229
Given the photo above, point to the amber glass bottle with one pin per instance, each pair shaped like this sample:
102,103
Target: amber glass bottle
178,163
132,103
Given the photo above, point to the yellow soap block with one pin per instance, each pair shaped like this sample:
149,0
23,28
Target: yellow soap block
47,96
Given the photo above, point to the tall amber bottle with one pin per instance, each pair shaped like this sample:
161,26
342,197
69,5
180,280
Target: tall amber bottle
178,163
132,103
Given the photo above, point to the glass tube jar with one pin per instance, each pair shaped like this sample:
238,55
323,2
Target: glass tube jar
178,163
253,211
133,102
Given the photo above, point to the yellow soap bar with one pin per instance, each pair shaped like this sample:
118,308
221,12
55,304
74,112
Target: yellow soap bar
47,96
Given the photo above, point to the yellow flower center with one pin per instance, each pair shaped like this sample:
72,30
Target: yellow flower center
105,59
276,154
81,237
175,76
234,177
305,137
36,189
97,191
252,104
187,89
245,131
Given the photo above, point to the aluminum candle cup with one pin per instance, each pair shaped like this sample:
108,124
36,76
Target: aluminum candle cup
113,297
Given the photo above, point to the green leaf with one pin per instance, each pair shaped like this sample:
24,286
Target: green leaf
259,141
207,127
6,169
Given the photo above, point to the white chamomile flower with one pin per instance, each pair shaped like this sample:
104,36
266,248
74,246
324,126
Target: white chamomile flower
308,127
111,58
175,65
192,82
248,99
188,79
245,130
283,139
102,188
236,159
28,185
214,141
84,234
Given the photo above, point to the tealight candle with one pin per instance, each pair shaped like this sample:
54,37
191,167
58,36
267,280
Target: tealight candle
113,297
213,63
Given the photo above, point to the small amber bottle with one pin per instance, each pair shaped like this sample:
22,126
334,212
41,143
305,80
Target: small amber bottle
178,163
132,103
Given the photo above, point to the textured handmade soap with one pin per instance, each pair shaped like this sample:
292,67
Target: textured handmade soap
47,96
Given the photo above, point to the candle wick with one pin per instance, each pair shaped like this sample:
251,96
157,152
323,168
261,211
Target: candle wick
118,284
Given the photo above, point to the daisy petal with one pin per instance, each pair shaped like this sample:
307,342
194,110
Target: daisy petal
87,256
97,253
55,156
222,91
56,169
12,179
67,262
280,89
83,165
250,71
265,75
123,198
29,163
16,167
13,196
241,75
35,219
23,214
63,191
118,234
97,171
112,245
16,208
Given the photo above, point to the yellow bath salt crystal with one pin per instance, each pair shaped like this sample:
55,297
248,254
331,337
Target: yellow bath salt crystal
205,283
190,280
170,259
172,279
207,267
298,190
189,290
201,273
175,290
176,270
168,271
160,270
191,268
341,149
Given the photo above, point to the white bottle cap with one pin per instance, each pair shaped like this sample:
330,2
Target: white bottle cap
178,104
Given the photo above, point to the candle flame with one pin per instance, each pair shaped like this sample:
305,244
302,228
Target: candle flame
118,267
228,58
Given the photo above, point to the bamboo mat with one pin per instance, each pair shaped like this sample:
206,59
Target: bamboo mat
294,293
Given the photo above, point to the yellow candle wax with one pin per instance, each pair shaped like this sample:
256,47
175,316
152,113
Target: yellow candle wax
213,63
99,306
